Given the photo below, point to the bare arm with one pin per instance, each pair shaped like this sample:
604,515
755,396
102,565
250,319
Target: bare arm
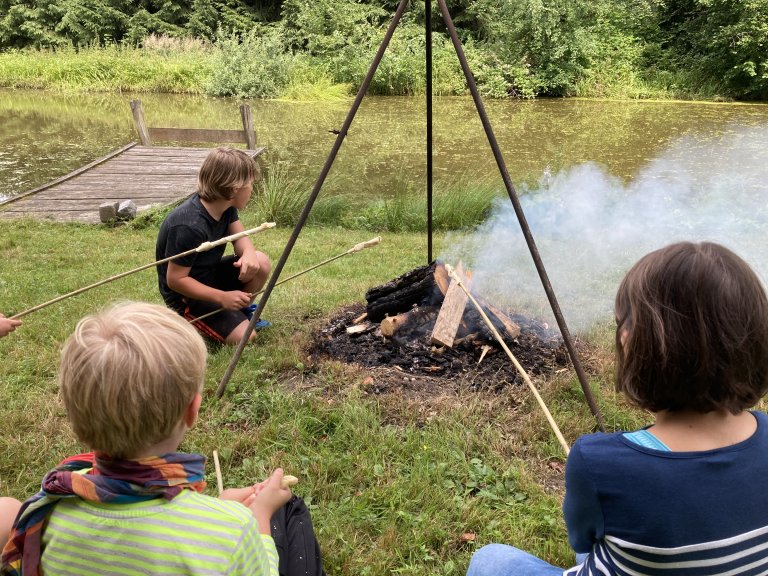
180,281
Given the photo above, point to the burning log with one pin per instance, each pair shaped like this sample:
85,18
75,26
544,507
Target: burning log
423,286
412,300
509,329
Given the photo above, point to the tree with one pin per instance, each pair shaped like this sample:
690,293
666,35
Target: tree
724,41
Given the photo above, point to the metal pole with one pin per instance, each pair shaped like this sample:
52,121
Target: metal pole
521,216
312,197
428,29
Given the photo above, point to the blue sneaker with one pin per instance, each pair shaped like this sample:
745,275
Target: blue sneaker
249,310
261,323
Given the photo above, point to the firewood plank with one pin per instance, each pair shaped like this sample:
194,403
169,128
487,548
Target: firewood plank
511,329
449,318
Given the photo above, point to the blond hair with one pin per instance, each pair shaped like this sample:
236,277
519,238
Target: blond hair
224,170
127,374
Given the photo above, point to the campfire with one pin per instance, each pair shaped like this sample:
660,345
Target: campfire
420,325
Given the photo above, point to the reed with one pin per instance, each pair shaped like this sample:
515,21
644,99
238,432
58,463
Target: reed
281,197
458,204
108,69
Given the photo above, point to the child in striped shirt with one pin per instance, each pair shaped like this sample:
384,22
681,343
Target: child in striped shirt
683,496
131,379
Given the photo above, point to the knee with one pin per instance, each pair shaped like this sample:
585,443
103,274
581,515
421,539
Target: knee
9,508
490,560
265,266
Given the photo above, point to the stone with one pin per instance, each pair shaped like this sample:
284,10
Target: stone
127,210
108,211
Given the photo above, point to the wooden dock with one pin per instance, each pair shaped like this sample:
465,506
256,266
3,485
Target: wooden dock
149,175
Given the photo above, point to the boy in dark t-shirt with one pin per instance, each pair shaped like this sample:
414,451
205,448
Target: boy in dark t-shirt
206,281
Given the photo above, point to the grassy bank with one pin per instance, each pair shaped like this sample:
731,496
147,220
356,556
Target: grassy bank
397,484
259,67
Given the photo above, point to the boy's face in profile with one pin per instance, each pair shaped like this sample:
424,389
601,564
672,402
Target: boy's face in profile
242,194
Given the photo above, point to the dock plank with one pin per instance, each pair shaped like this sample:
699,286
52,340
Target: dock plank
150,176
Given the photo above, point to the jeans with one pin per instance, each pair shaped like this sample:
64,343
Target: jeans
503,560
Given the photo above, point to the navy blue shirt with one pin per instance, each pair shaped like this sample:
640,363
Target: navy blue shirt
645,511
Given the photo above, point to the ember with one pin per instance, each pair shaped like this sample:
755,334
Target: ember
395,330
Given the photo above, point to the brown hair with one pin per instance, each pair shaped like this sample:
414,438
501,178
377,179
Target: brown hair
127,374
224,170
692,331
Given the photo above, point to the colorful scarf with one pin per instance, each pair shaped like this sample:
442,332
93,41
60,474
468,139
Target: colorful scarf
109,480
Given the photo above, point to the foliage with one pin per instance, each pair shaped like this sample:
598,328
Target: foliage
725,40
525,48
254,65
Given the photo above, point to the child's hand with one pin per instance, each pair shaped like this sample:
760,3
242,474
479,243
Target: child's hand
7,325
249,267
245,495
268,500
234,299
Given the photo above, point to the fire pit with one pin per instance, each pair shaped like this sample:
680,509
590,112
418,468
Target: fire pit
396,330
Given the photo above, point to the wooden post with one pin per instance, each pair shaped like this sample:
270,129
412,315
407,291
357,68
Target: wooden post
250,134
138,120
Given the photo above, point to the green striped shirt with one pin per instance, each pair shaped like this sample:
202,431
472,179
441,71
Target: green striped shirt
192,534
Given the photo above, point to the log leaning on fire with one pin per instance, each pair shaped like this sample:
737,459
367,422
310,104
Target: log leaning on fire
392,304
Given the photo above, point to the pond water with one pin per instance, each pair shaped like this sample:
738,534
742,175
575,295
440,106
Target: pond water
44,135
601,181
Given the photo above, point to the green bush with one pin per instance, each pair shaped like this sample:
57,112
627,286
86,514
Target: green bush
253,65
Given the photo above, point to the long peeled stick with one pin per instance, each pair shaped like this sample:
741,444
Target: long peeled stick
204,247
356,248
455,277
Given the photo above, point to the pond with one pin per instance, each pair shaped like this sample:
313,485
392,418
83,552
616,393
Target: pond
602,181
44,135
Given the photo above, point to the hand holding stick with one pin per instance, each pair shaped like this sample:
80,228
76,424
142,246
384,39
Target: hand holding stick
356,248
205,246
287,480
520,369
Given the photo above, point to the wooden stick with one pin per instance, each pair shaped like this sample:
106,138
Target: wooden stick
520,369
217,466
204,247
354,249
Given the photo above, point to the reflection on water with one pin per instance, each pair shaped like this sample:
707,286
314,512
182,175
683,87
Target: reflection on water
45,135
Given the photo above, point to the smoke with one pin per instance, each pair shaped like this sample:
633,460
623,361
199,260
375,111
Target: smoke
590,227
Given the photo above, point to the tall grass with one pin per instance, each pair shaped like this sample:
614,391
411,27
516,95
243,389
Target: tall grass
107,69
280,197
459,204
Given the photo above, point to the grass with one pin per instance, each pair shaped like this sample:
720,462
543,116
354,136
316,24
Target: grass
459,204
395,486
259,66
109,69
